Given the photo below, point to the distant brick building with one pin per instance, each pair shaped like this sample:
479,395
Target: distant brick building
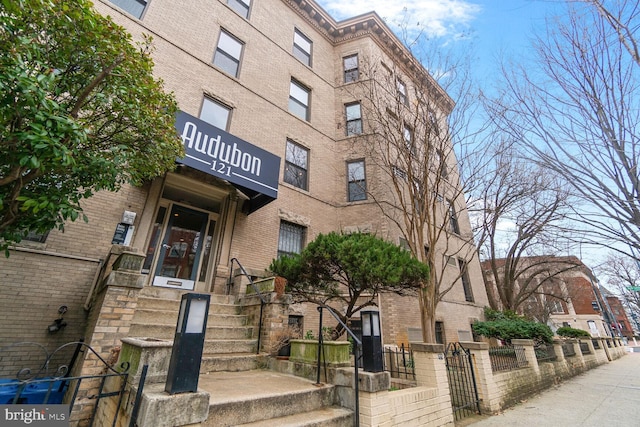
573,298
261,85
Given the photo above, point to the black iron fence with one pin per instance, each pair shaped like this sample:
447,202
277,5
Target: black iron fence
463,389
545,352
50,383
399,362
507,357
584,347
568,350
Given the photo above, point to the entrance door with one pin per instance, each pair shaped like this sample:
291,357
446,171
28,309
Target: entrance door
182,248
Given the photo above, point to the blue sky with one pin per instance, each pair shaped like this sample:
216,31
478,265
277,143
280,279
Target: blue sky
495,28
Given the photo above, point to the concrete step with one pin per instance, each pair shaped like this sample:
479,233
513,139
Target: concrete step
232,362
254,396
167,331
229,346
169,317
324,417
176,295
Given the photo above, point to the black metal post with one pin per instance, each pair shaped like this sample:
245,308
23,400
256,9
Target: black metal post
319,345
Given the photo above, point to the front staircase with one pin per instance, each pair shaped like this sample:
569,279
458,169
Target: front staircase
240,394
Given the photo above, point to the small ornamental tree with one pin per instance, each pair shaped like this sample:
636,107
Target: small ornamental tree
346,272
508,326
80,112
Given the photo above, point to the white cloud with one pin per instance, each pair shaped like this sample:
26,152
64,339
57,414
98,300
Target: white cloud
439,18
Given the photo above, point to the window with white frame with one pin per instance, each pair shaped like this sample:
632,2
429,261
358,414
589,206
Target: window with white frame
354,119
302,47
357,182
454,226
133,7
240,6
295,165
299,100
215,113
555,305
466,283
350,65
402,92
407,134
291,238
228,53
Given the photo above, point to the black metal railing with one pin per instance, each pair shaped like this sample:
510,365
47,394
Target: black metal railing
263,301
545,352
568,350
584,347
50,384
507,357
357,344
399,362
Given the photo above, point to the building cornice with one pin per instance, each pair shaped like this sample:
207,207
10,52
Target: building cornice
368,25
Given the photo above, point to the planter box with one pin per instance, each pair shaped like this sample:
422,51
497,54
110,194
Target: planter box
335,352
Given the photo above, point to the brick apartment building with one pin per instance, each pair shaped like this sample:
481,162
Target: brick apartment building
263,88
581,301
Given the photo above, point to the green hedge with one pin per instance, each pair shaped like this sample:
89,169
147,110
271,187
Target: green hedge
568,331
508,325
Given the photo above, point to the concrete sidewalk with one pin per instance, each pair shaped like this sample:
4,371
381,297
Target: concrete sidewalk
605,396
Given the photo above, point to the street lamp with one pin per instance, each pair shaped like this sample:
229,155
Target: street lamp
188,343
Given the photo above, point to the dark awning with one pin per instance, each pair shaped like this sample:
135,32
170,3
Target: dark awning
250,169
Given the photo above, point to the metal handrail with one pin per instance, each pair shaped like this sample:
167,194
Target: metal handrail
357,344
263,301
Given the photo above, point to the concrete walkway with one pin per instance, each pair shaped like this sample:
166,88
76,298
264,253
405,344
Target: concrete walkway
606,396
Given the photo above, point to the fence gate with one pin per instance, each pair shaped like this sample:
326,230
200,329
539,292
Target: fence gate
462,381
51,382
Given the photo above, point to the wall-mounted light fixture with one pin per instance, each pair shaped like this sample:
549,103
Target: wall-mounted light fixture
59,323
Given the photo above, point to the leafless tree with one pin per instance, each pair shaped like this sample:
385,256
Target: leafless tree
623,275
576,112
519,212
409,126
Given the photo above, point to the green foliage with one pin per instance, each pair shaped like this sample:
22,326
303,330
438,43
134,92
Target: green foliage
80,112
347,271
569,332
509,325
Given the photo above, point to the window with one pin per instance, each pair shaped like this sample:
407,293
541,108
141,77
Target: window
555,306
402,92
302,47
215,113
407,134
240,6
357,182
354,119
133,7
228,53
466,283
441,164
295,165
299,100
404,244
291,238
453,219
32,236
400,173
350,64
440,332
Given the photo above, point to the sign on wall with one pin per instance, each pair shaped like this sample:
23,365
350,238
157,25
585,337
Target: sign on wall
251,169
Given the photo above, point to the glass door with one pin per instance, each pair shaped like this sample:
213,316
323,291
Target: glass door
181,249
